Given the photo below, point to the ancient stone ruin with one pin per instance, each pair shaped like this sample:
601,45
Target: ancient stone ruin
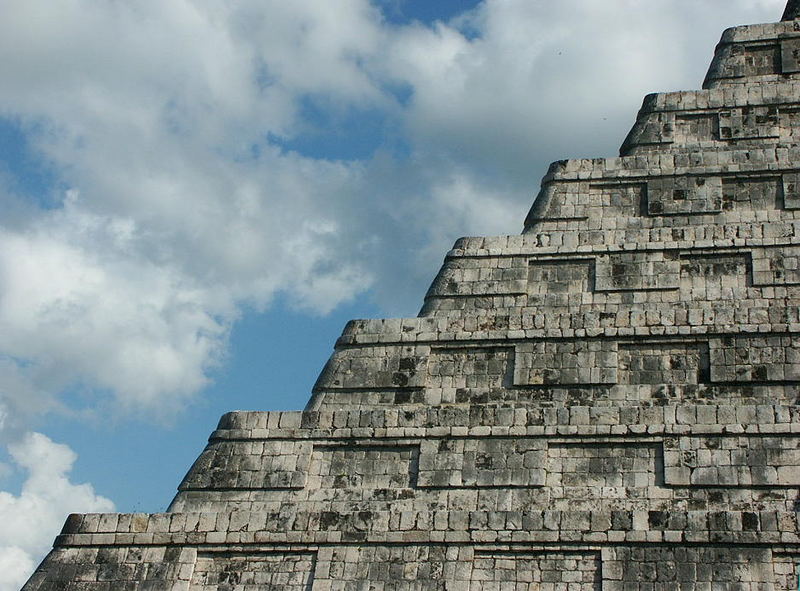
608,401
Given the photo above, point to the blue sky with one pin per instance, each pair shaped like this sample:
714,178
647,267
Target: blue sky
197,196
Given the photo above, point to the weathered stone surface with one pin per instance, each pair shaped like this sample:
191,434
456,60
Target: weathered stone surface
792,10
608,401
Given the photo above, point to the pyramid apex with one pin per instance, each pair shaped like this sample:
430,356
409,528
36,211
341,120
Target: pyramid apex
792,10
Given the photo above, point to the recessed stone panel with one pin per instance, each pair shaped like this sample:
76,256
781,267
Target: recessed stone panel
751,193
742,60
774,358
243,571
715,276
575,201
378,367
732,461
696,127
551,570
776,266
452,368
787,571
790,55
791,190
364,466
482,463
637,271
566,363
762,59
684,195
663,363
405,567
464,277
591,470
559,201
652,129
692,567
749,123
559,283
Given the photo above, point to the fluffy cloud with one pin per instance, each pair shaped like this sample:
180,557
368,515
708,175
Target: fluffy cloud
30,519
207,156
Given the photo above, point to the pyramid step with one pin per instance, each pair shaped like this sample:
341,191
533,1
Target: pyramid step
613,193
763,53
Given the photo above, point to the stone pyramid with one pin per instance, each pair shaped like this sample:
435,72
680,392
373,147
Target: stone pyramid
608,401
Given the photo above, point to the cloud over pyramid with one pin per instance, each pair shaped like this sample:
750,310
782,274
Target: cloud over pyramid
605,402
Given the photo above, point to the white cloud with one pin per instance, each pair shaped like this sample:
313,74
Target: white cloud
31,518
16,566
78,308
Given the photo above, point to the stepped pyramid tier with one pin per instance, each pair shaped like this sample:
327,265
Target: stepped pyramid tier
608,401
